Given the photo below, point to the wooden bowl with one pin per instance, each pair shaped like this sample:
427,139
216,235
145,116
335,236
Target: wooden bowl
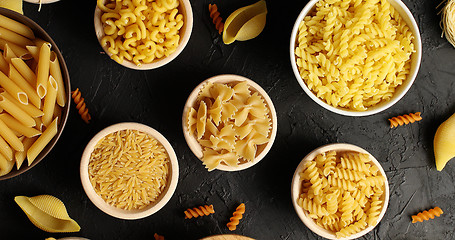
296,189
39,32
229,78
185,33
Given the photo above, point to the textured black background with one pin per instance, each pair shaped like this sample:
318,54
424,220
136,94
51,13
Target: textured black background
156,98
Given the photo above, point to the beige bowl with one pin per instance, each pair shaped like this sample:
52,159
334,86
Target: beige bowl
229,78
121,213
400,90
185,33
296,188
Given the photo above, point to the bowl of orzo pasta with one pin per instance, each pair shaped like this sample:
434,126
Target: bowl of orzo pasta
355,58
129,170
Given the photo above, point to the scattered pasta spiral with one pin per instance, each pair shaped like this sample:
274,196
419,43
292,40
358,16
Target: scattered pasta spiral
425,215
199,211
80,105
217,20
404,119
237,215
158,237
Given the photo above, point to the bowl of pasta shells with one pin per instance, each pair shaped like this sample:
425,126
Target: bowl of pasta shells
143,35
355,58
129,170
229,123
340,191
34,93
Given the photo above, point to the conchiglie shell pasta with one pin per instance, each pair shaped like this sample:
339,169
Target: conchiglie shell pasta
47,213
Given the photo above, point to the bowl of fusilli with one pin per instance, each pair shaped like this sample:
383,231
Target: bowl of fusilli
229,122
145,34
340,191
352,61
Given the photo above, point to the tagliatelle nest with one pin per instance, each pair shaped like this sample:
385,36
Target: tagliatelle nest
448,21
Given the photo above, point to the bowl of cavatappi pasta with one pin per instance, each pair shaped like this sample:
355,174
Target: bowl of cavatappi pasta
229,122
340,191
34,93
143,35
355,58
129,170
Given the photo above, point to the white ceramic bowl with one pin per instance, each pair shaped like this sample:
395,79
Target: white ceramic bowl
296,189
121,213
229,78
185,33
400,91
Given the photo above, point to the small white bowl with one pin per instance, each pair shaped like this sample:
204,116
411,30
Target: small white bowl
121,213
185,33
400,90
296,188
229,78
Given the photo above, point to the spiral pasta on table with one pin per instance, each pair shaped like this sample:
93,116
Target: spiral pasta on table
237,215
140,31
404,119
426,215
353,54
230,122
346,199
200,211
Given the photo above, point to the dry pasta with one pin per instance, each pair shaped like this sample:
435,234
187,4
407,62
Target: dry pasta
346,199
140,31
230,122
425,215
353,54
200,211
22,68
404,119
129,169
237,215
80,105
216,19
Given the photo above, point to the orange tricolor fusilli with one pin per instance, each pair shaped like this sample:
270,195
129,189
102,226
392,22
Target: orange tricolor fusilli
158,237
80,105
199,211
217,20
404,119
237,215
425,215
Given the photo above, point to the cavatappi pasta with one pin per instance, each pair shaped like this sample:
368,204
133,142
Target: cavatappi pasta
230,122
129,169
353,54
32,94
140,31
342,192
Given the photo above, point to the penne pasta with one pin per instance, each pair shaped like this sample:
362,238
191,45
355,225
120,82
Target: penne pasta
17,126
39,124
31,110
16,26
18,50
20,81
16,112
20,156
5,165
8,53
56,72
5,149
34,51
13,89
42,74
49,101
14,37
3,64
42,141
10,137
24,70
39,42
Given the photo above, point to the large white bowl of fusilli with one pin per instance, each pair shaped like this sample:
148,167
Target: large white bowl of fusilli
340,191
355,58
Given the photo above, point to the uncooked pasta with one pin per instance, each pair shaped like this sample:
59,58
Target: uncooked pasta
448,21
129,169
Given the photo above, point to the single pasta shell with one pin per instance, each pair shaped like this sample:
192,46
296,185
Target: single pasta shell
444,143
47,213
245,23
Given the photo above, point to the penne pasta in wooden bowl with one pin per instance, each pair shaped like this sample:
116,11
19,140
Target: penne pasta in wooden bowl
34,93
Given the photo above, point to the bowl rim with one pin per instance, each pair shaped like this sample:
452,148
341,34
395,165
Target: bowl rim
40,32
295,189
117,212
187,29
228,78
417,58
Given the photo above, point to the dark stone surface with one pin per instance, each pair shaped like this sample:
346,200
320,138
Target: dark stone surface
156,98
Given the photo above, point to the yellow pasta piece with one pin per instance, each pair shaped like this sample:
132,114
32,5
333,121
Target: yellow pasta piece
42,74
10,137
47,213
14,25
13,89
17,126
5,165
50,101
42,141
16,112
21,82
